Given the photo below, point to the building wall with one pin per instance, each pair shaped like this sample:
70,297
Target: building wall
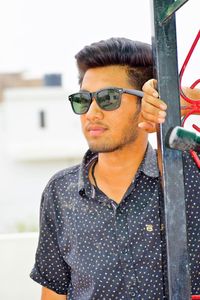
16,261
27,138
8,80
30,154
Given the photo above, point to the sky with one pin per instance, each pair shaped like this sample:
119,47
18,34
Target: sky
42,36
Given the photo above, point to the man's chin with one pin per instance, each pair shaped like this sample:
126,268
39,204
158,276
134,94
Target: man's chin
102,148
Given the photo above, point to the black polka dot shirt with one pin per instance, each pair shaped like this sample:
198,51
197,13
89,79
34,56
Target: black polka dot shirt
92,248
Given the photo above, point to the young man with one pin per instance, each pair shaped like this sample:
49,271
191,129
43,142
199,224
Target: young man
101,233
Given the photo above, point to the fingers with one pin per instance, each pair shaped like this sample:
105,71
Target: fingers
150,87
156,102
151,96
153,109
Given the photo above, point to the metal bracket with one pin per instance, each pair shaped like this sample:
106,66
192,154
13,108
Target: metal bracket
171,9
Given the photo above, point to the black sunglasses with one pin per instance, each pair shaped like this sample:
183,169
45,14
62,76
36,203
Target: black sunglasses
107,99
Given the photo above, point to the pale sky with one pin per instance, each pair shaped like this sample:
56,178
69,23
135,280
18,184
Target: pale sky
41,36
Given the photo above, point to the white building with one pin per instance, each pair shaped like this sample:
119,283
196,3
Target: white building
40,125
39,135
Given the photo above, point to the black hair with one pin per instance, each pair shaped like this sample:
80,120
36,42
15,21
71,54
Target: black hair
134,55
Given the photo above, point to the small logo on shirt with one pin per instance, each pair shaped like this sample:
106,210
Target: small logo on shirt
149,227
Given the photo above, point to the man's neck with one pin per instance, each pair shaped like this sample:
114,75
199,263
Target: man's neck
130,157
115,171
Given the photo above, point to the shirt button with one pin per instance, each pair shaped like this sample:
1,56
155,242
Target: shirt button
125,251
133,294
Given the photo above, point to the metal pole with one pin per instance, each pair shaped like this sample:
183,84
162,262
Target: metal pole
165,56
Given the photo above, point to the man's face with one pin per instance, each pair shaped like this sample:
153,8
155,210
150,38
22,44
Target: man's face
108,131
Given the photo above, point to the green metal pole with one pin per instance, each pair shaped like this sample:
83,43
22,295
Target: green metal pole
165,54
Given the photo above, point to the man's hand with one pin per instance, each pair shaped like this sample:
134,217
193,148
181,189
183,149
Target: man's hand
153,110
48,294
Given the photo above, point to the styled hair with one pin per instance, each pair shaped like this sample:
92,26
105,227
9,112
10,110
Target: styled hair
134,55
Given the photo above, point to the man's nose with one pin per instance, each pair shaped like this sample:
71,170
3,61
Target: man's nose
94,111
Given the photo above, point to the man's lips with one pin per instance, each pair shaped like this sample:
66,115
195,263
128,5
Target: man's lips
95,130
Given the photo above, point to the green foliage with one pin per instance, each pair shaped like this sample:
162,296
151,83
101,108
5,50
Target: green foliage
24,226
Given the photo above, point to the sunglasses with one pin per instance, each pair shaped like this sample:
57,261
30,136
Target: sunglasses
107,99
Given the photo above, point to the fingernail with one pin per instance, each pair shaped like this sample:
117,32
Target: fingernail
155,94
163,106
162,113
161,120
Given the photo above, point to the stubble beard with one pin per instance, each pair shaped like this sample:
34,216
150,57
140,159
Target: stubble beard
128,136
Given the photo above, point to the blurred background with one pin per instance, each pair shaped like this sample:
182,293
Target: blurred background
39,134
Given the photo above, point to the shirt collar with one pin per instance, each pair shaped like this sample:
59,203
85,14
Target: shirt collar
148,166
83,182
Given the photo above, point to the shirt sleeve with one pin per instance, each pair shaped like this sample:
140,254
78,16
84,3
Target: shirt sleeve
50,269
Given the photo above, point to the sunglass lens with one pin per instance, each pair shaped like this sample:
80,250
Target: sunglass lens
80,102
108,99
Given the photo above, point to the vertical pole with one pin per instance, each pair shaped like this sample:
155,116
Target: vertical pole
165,56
